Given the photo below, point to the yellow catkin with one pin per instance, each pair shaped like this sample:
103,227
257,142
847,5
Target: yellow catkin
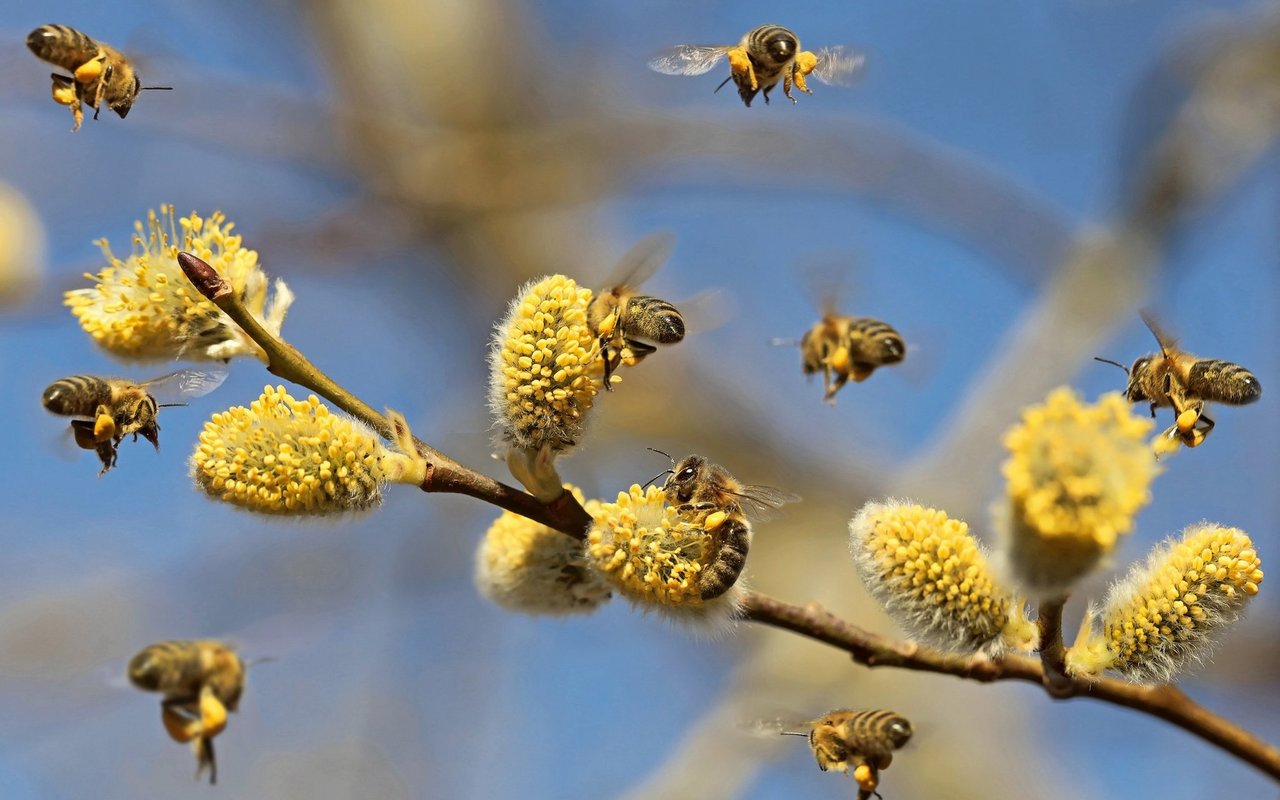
932,578
143,307
1077,474
527,567
654,559
1166,614
545,369
294,457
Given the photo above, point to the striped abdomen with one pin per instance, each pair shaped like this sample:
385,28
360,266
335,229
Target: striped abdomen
77,396
733,539
771,47
876,733
63,46
652,319
874,342
1223,382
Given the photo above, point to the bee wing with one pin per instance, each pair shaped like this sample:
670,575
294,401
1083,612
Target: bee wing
185,384
777,726
1168,343
761,501
645,258
689,59
838,66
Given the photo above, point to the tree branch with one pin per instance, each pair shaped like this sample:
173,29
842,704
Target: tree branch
1165,702
564,514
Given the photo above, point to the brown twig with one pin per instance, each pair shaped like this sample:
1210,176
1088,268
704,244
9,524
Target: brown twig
1165,702
564,514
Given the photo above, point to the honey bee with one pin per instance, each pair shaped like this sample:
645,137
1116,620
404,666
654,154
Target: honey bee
201,681
118,407
99,72
861,741
708,498
1186,383
764,56
622,318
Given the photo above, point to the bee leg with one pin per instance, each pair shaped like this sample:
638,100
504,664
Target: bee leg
612,359
636,351
791,77
842,377
206,759
107,454
797,77
179,720
867,776
740,64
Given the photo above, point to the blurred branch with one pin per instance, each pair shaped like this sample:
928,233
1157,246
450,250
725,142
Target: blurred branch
1165,702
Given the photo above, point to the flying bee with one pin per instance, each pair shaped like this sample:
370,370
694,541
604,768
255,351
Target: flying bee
627,321
861,741
99,72
201,681
764,56
117,407
709,499
1186,383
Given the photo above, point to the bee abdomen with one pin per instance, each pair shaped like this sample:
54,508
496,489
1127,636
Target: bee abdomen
658,320
723,571
878,733
61,45
1223,382
76,396
876,341
763,42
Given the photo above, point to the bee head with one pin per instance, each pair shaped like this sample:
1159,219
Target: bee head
145,671
782,47
684,478
125,103
1133,391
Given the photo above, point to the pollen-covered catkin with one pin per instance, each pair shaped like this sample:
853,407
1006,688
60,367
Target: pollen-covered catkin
544,369
653,559
144,308
932,578
294,457
1166,614
1077,474
528,567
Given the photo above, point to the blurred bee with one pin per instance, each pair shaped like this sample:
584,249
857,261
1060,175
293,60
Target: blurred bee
99,72
1185,382
622,318
708,498
765,56
863,741
118,407
201,681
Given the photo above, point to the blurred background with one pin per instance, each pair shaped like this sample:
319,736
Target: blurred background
1006,185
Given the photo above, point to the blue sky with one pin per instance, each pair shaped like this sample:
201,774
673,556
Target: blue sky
393,676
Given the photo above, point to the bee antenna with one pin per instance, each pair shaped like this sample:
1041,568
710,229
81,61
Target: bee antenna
1115,363
263,660
722,83
169,405
793,733
659,452
785,342
155,88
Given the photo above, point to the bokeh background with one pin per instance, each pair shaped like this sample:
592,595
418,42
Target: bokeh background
1007,185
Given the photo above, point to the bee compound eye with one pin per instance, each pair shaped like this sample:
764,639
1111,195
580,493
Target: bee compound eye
686,474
